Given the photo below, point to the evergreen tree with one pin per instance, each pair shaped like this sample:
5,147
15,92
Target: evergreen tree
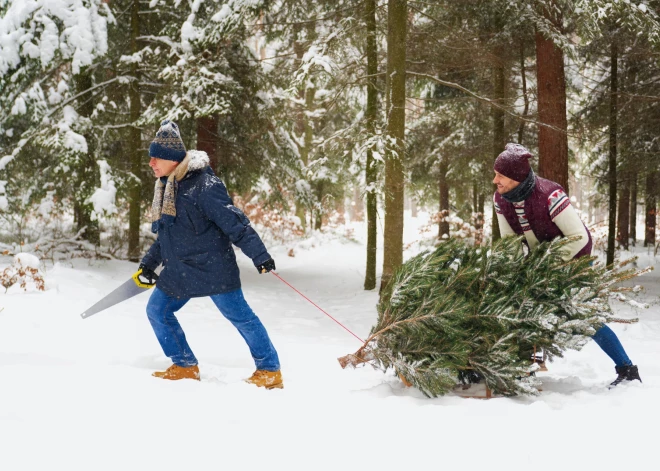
464,68
46,61
613,41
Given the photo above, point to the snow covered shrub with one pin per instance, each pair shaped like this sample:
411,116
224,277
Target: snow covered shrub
274,223
477,220
114,235
35,216
333,218
458,228
599,233
23,274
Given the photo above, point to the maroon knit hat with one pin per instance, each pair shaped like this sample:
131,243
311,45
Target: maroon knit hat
514,162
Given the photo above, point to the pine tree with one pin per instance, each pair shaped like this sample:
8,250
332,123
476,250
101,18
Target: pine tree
317,75
463,312
48,95
618,38
463,66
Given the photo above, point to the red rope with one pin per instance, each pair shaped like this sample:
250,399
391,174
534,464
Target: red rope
317,307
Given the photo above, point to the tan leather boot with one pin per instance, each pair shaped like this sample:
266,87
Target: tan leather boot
175,372
266,379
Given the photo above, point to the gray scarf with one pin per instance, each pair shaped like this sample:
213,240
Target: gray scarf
522,191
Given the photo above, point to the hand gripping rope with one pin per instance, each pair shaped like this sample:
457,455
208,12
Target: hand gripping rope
346,328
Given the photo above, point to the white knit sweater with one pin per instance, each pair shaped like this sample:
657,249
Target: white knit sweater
562,213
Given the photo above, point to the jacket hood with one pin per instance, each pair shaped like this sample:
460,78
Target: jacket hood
198,160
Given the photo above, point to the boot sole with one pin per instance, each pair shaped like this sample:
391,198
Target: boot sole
174,379
267,386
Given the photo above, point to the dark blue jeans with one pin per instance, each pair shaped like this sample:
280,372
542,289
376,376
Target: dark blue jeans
161,309
609,342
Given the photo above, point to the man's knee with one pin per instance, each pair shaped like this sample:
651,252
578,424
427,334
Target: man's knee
155,312
234,306
157,308
239,313
243,315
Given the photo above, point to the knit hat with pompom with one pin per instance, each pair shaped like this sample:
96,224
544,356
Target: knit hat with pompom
167,144
514,162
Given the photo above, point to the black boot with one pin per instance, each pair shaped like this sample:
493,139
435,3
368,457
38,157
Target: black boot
626,373
468,377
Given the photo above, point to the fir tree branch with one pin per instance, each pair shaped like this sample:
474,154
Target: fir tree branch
488,101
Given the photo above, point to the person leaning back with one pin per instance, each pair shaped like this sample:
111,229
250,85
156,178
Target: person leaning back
196,224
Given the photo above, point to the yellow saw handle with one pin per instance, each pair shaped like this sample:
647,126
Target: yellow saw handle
142,283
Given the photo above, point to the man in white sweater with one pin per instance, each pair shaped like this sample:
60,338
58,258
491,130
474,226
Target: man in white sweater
540,210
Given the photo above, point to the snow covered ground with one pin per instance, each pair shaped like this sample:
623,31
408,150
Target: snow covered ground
78,394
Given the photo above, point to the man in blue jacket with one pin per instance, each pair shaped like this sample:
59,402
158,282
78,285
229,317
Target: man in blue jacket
197,223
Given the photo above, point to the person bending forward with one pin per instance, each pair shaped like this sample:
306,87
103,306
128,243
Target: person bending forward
540,210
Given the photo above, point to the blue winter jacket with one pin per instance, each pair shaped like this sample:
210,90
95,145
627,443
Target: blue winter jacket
196,248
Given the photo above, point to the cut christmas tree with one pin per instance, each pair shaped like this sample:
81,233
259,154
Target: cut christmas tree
464,314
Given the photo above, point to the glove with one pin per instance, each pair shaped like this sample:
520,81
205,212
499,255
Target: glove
267,266
147,276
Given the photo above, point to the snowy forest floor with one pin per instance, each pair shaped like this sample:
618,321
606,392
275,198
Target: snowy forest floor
78,394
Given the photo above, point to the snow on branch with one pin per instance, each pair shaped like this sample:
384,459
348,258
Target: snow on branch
39,29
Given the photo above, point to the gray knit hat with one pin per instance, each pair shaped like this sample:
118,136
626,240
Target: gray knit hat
167,144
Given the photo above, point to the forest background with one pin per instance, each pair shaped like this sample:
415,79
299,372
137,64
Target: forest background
317,111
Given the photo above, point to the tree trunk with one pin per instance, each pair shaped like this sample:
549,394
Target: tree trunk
317,213
613,150
357,205
633,167
303,126
396,119
310,92
479,224
135,144
633,207
551,84
623,212
87,170
443,225
651,208
499,132
521,127
207,138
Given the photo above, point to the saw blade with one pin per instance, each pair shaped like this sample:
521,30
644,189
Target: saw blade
122,293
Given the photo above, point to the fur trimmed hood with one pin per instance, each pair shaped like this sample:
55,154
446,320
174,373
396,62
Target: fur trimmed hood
194,160
198,160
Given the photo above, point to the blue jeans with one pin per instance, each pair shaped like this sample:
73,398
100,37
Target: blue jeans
609,342
232,305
